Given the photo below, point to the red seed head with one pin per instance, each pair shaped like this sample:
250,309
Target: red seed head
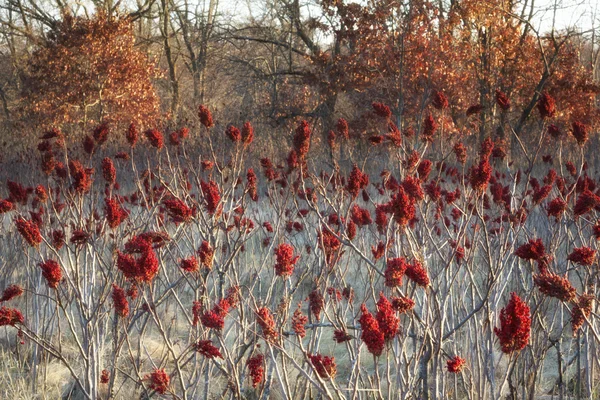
159,381
215,318
178,211
502,100
455,364
461,152
586,202
340,336
10,316
299,321
265,320
189,264
120,301
174,139
440,101
210,190
394,271
378,251
331,139
302,139
51,134
256,369
402,304
555,286
155,137
104,377
360,216
108,171
430,125
143,268
515,325
371,334
394,135
252,184
580,132
205,116
206,253
424,169
41,194
324,365
480,176
417,273
233,134
207,349
554,131
286,260
196,312
183,133
80,237
316,303
581,311
115,213
487,146
232,296
11,292
533,250
101,133
132,134
342,128
48,163
88,144
82,180
402,207
51,272
247,133
546,106
583,256
389,323
331,245
412,186
29,231
376,139
357,181
58,239
474,109
382,110
17,192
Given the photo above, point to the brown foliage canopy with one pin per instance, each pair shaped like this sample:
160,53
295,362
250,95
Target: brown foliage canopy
404,56
87,70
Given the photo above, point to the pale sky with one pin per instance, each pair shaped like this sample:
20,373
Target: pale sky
570,13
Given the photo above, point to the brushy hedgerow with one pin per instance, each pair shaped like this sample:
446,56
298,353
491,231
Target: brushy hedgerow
450,271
